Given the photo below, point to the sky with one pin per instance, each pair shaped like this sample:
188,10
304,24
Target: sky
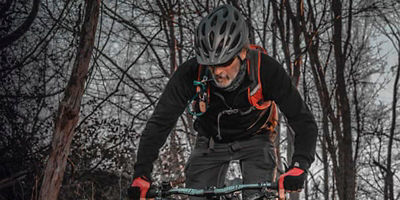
386,95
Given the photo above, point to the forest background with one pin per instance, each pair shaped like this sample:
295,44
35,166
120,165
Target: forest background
79,80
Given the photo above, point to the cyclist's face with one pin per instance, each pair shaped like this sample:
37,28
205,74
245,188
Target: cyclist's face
224,74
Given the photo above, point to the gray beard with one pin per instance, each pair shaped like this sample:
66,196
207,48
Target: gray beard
236,82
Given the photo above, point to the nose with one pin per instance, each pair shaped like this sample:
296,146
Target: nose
218,70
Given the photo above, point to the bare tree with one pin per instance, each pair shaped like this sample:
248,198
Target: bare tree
68,113
392,31
346,178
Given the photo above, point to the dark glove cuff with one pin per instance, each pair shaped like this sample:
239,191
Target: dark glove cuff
142,170
146,178
300,163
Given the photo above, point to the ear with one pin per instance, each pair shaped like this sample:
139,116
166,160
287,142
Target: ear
243,53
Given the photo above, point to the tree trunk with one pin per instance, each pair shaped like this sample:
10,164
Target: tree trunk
250,24
172,41
68,110
389,187
346,179
325,156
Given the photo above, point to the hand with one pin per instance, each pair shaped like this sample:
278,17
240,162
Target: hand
293,179
139,188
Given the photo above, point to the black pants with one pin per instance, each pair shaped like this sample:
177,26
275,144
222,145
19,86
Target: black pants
207,168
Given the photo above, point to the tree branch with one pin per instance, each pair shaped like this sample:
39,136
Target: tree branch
20,31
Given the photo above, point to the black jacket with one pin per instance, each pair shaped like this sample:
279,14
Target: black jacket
276,85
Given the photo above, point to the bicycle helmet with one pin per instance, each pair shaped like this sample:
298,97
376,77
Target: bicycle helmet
220,36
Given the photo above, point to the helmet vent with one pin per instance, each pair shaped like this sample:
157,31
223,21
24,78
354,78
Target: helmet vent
203,29
235,42
228,40
223,28
204,47
219,49
214,20
225,13
233,26
236,15
211,39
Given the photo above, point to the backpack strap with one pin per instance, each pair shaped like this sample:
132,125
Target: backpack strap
256,47
200,101
202,76
254,92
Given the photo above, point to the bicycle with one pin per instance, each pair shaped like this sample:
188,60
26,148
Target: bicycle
165,192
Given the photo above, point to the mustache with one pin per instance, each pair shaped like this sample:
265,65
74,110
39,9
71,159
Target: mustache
224,76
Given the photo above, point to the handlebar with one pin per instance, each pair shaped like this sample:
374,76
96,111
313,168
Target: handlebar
166,191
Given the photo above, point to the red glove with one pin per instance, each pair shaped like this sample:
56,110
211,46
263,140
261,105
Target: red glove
139,188
293,179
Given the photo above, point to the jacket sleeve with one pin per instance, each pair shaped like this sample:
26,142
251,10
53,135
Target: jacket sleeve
171,105
277,86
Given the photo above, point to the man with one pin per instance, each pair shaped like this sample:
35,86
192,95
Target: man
230,126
